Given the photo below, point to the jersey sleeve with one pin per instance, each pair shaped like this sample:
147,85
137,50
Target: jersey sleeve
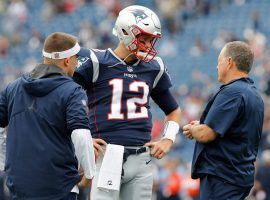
165,101
223,112
76,110
163,80
84,72
3,109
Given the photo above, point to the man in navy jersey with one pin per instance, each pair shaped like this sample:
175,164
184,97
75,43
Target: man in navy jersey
48,134
119,84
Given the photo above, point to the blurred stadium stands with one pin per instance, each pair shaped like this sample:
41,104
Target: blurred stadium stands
194,33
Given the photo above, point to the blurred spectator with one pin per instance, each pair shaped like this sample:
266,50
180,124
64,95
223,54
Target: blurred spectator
10,74
257,41
69,6
105,36
4,46
265,142
192,107
198,48
65,6
112,6
267,87
35,42
239,2
169,10
87,35
195,88
263,177
173,186
188,9
15,16
48,11
156,129
30,64
222,38
15,39
204,7
255,21
254,36
3,5
167,47
190,187
170,181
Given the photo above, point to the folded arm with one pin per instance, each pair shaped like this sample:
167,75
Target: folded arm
200,132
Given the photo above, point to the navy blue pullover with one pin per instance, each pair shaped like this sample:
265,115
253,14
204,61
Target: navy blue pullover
41,109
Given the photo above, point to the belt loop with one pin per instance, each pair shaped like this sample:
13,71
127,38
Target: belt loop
137,151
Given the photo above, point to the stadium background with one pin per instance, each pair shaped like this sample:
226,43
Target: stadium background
194,31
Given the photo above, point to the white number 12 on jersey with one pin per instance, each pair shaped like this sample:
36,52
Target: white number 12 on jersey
132,103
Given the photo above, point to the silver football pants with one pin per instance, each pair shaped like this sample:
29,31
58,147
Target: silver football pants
136,180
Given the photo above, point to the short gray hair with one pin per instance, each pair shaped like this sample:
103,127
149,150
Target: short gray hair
241,54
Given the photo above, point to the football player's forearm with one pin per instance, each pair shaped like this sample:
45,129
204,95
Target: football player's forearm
174,116
171,127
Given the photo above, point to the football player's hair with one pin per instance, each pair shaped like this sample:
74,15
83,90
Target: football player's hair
241,54
59,41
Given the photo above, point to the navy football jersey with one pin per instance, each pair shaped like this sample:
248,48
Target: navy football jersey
119,94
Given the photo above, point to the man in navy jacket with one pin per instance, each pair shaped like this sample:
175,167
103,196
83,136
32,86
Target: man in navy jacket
48,135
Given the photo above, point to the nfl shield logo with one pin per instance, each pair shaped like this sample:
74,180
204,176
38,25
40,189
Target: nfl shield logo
56,55
129,69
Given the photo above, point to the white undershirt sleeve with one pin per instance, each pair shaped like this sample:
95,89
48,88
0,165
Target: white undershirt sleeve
84,151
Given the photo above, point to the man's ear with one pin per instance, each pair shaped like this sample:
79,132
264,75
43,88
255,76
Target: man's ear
230,62
66,61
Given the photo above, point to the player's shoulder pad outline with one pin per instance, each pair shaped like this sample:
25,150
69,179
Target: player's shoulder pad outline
161,70
86,55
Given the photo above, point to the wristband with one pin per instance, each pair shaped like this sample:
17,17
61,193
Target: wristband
171,129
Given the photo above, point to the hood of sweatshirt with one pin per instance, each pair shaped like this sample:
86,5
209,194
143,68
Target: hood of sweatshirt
43,79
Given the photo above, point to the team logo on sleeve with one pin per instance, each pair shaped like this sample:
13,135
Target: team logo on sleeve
81,61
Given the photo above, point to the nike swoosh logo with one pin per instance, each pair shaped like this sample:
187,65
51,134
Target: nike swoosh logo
147,162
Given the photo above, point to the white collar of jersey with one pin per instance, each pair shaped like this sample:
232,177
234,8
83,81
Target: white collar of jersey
121,61
62,54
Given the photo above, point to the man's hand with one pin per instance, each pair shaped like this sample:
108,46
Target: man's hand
98,143
187,132
85,182
160,148
195,122
186,129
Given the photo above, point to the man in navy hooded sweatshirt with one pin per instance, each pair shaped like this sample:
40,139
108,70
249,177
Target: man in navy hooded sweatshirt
48,136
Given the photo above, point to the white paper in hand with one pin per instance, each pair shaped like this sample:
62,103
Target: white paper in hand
111,168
